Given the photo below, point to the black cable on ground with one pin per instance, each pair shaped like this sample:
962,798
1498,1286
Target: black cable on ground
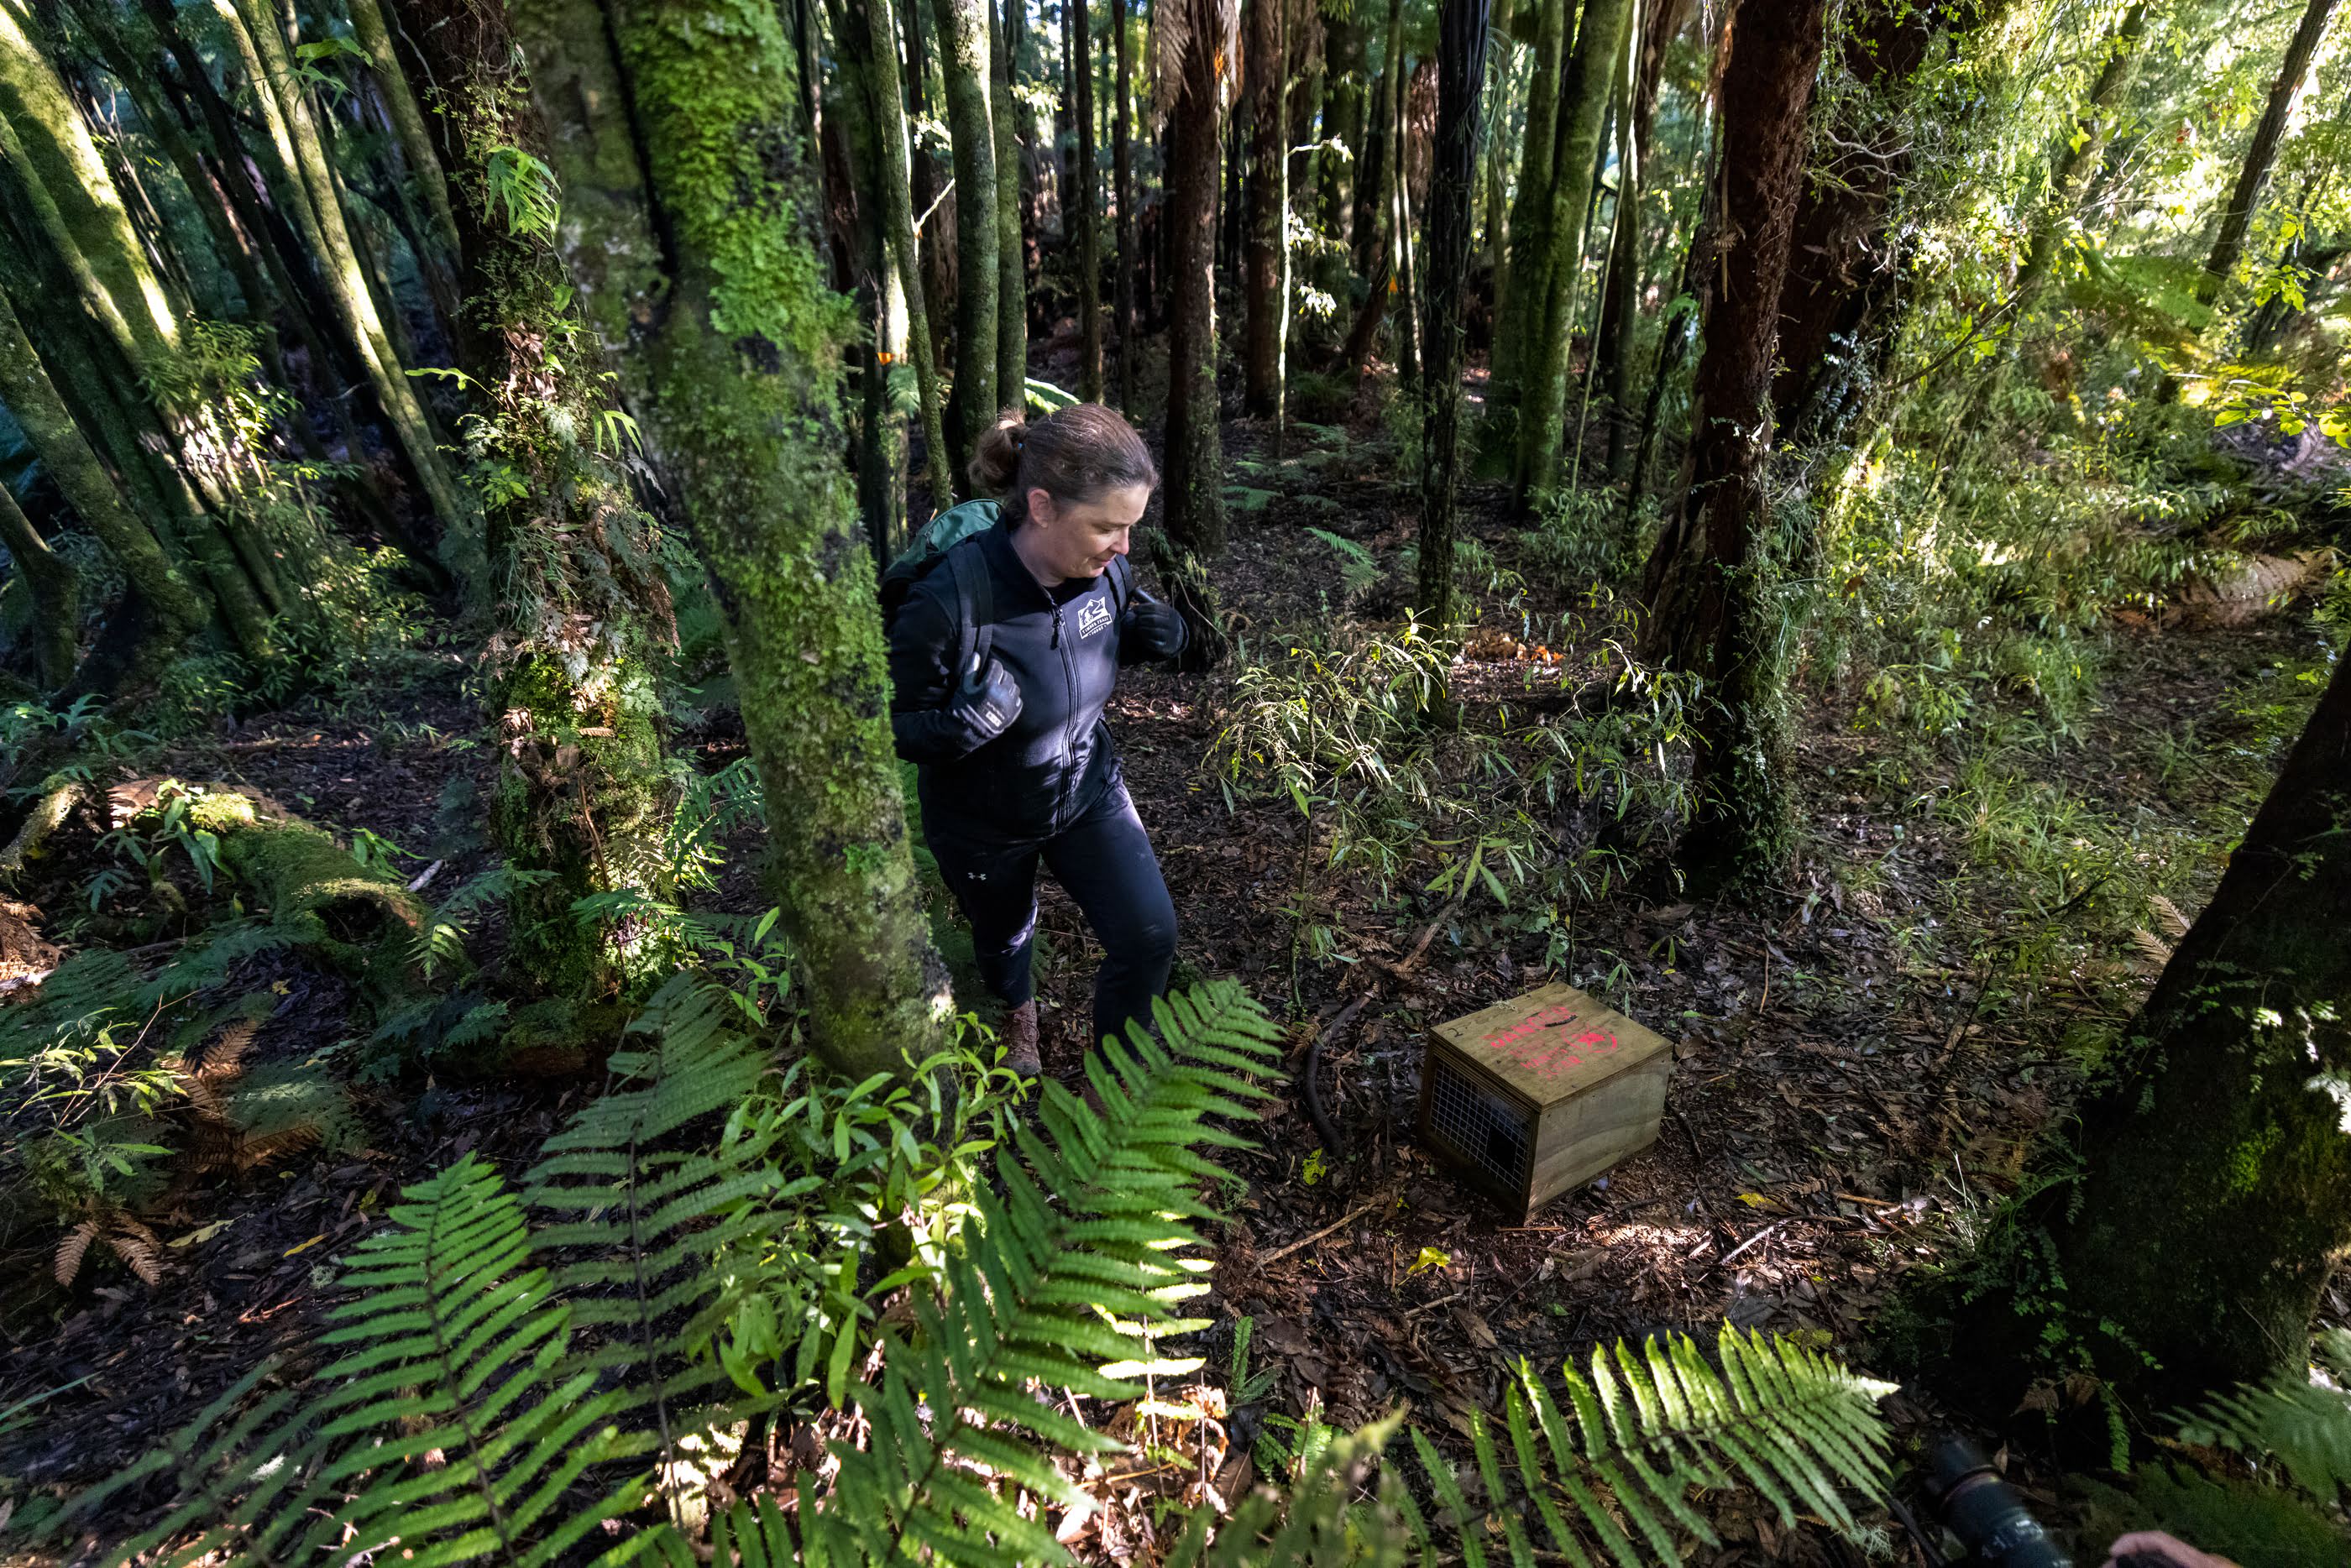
1312,1077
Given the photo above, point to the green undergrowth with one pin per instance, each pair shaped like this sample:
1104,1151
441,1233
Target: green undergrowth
1513,813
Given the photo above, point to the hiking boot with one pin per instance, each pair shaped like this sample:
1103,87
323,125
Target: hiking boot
1020,1041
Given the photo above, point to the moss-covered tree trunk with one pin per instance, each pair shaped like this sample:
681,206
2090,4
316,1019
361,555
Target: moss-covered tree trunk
963,63
1011,269
1662,20
2253,173
54,587
1129,260
319,216
431,186
1195,479
1082,208
1592,71
895,195
1461,81
1719,611
1521,289
581,803
688,228
179,609
70,238
2215,1196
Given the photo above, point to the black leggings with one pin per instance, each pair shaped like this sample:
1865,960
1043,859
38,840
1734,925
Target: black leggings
1104,859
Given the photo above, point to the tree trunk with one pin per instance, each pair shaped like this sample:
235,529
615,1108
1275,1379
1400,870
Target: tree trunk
925,177
1129,259
53,585
95,237
1196,477
690,234
1343,94
1265,316
1461,56
962,61
889,123
880,350
1082,208
2237,217
1372,198
346,285
1519,295
25,388
1591,77
408,122
1718,612
2215,1198
581,796
1012,275
1621,302
1406,303
1844,276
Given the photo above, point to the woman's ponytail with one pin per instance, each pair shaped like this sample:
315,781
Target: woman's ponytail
996,461
1075,455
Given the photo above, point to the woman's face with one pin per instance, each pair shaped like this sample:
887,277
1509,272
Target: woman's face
1077,538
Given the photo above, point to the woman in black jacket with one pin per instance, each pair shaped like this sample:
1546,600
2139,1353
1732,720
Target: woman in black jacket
1014,763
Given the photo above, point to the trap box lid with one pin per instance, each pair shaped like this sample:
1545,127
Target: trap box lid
1549,1044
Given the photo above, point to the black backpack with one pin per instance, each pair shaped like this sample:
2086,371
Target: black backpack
953,537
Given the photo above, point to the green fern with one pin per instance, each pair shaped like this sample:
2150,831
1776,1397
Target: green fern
1642,1432
1072,1274
453,1428
2305,1425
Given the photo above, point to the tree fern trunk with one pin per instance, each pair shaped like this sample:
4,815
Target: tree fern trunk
690,233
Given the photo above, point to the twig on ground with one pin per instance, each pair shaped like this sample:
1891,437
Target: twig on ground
1289,1247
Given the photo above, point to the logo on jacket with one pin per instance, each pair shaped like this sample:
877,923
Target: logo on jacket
1093,617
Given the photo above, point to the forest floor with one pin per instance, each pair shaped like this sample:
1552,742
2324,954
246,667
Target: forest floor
1859,1074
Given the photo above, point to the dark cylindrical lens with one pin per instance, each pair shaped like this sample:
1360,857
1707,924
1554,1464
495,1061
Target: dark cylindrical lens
1986,1513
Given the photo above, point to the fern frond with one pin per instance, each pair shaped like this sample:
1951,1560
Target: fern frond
461,1438
1069,1277
2304,1424
1641,1432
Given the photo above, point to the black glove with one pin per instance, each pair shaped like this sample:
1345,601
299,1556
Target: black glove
987,701
1153,630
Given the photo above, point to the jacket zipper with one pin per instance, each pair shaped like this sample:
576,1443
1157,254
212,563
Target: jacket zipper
1069,729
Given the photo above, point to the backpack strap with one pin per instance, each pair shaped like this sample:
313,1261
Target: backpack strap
975,608
1121,584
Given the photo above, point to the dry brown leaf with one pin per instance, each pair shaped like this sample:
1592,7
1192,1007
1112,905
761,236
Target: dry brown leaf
2173,920
76,1243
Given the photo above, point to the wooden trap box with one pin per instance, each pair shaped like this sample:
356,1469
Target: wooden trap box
1536,1094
